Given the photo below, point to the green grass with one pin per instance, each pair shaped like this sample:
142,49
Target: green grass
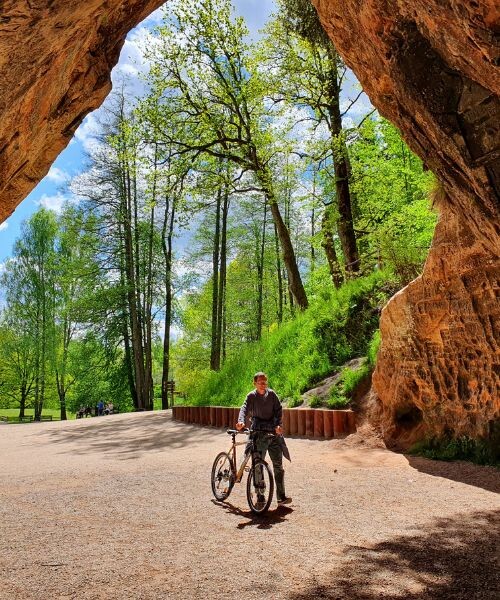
13,413
338,326
482,452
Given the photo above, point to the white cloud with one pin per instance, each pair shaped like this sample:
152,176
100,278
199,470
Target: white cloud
54,203
57,175
88,131
133,63
4,225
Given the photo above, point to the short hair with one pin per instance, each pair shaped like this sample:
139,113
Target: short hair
259,374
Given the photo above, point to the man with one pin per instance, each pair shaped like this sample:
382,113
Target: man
264,408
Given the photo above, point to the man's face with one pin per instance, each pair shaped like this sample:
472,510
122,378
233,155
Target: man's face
261,384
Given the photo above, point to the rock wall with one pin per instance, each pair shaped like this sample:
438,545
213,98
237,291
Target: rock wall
55,62
431,67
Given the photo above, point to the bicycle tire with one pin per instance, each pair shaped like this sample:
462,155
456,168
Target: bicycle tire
222,479
265,487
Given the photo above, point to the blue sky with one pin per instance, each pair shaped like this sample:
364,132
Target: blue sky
50,191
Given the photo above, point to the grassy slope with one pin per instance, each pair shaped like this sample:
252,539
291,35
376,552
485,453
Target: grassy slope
337,326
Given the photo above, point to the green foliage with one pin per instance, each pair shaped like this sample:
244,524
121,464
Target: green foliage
342,393
392,207
373,348
337,400
300,352
295,401
482,452
315,402
351,378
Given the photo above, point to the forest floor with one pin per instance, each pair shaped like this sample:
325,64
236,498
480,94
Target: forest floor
120,507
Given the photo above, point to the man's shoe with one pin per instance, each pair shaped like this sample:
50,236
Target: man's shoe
286,500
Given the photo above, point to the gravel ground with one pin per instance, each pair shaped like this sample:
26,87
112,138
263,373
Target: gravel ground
120,507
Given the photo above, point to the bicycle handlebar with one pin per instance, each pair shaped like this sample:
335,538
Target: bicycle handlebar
248,431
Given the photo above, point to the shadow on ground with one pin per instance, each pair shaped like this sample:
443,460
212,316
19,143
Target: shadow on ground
451,559
487,478
130,438
266,521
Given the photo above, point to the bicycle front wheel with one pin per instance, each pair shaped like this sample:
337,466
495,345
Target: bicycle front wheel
222,476
260,487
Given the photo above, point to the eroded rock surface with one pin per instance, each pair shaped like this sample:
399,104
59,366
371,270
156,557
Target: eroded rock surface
55,62
431,67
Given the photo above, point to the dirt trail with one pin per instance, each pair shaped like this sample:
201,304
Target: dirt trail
120,508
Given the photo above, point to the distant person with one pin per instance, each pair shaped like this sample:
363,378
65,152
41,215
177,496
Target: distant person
88,411
264,408
110,408
100,408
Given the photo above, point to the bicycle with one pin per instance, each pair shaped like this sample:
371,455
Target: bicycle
260,482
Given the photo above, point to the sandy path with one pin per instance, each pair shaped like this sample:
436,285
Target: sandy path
120,508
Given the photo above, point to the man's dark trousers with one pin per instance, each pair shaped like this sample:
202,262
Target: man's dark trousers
264,443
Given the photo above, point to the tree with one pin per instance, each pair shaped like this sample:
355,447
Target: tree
17,360
305,70
202,66
30,288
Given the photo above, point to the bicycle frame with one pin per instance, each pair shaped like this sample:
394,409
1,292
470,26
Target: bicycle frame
238,474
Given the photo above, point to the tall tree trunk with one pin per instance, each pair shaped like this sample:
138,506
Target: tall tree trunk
132,300
260,275
313,233
329,248
22,403
222,280
294,279
279,312
166,238
126,321
148,296
129,361
214,353
341,169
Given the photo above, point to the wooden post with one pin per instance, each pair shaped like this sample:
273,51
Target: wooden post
286,421
310,422
328,423
319,430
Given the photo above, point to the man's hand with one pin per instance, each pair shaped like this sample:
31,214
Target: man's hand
240,425
279,430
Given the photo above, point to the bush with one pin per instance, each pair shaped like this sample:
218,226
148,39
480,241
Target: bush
352,378
482,451
315,402
337,400
373,348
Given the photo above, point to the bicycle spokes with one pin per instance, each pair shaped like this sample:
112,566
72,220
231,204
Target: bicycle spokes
222,476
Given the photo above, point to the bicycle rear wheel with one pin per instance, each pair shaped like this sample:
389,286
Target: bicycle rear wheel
222,476
260,487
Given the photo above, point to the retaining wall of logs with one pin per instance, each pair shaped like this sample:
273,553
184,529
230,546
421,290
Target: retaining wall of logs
306,422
